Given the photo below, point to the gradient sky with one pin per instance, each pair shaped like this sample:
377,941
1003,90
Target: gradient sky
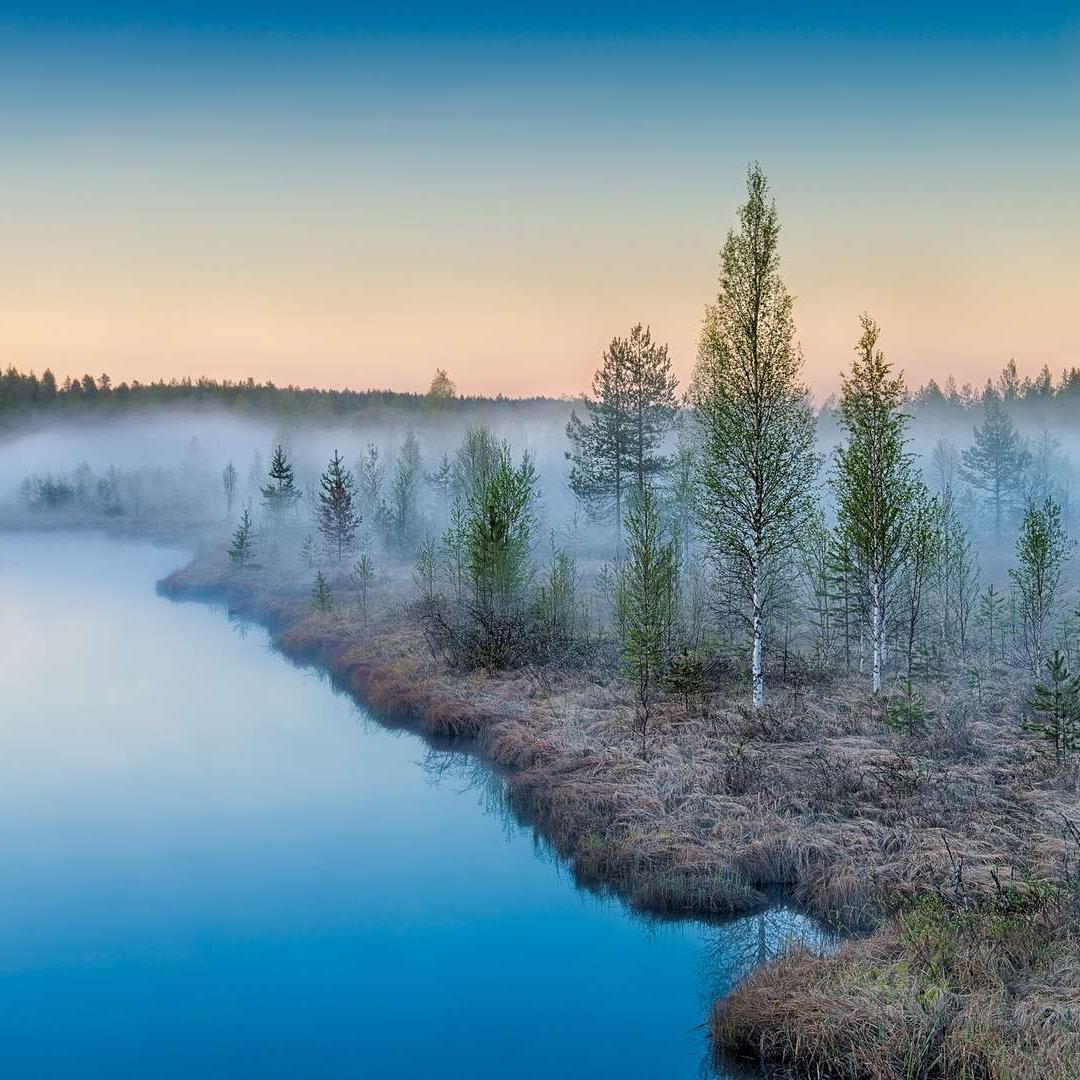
355,194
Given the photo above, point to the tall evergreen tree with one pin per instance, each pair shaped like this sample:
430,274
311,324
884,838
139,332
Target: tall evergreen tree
996,462
281,494
616,450
758,464
874,480
338,517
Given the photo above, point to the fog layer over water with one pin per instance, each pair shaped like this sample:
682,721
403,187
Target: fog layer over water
216,866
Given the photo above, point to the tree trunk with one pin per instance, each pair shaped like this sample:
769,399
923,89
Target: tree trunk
878,631
757,677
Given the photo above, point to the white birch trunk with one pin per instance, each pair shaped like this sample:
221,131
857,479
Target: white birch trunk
757,677
878,631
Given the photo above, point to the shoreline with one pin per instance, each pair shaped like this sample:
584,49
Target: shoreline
401,699
824,808
816,802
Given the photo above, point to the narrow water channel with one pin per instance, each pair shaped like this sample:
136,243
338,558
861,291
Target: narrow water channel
213,865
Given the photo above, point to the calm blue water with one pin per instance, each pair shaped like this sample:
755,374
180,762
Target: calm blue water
215,866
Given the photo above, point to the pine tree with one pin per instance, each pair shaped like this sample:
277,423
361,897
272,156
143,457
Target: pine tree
281,494
874,481
646,602
615,451
757,455
1041,550
338,517
995,464
1056,710
242,548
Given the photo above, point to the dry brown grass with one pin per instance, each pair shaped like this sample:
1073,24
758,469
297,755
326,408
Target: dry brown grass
816,796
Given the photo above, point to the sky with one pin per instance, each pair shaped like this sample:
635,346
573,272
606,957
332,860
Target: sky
353,194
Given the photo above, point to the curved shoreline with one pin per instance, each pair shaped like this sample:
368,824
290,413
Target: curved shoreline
625,827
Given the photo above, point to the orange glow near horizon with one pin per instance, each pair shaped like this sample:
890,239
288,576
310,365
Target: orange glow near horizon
341,214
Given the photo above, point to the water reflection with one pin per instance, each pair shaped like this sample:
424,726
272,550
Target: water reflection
212,869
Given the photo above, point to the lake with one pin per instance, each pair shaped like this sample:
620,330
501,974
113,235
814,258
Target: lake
214,865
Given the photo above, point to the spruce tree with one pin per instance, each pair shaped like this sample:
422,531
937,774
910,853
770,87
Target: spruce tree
242,548
996,462
281,494
338,517
1055,710
874,481
757,431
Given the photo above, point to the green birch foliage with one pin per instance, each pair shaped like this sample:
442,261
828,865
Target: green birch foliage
646,599
757,473
874,479
499,533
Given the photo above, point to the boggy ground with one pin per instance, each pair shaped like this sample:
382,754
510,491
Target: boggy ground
948,853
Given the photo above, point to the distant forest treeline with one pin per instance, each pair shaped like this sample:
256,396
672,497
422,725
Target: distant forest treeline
26,396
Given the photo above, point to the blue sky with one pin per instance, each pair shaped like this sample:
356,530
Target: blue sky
354,194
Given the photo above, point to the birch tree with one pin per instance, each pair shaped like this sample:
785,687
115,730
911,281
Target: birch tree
757,430
874,480
646,599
